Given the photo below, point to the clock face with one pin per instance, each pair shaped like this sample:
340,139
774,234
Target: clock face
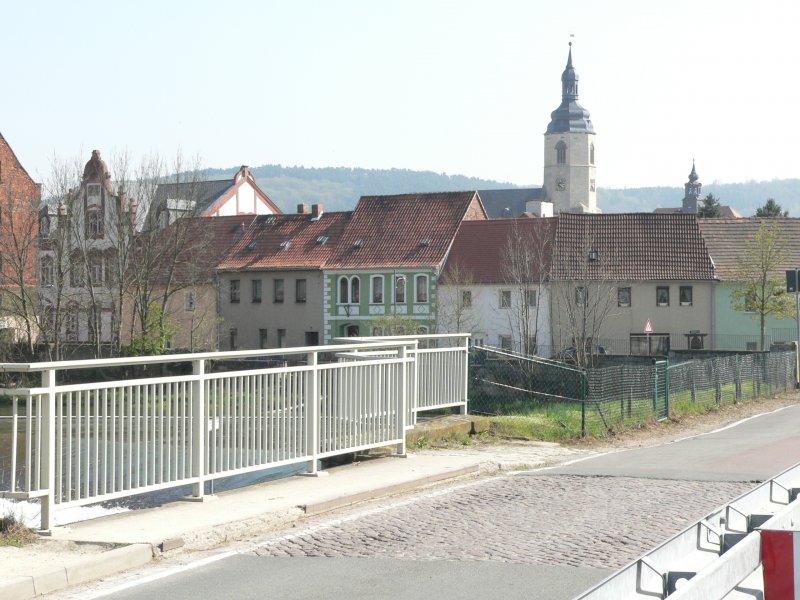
561,184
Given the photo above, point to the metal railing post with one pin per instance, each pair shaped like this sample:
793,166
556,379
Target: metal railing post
465,364
48,450
200,428
312,414
402,408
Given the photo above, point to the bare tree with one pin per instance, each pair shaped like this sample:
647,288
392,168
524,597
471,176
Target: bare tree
586,299
456,300
525,267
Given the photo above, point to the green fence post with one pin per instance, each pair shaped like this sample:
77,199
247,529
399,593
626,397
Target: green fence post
622,394
717,384
584,394
655,388
666,387
738,379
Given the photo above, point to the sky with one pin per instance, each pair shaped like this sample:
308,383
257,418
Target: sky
460,87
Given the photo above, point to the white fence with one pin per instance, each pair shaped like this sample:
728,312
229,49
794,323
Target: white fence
80,443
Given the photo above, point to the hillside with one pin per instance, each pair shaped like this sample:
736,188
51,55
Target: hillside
338,188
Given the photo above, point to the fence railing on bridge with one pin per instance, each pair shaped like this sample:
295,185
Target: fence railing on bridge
595,401
111,436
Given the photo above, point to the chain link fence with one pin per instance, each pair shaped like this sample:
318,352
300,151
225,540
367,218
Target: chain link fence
566,401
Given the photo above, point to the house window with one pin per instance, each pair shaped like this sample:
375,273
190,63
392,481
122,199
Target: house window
344,290
662,295
47,274
400,290
96,269
377,331
262,338
300,291
277,291
76,272
505,298
505,342
376,281
312,338
71,323
189,301
581,296
281,338
561,152
685,295
94,224
531,297
255,290
466,298
624,296
234,291
349,290
420,288
355,290
233,335
44,226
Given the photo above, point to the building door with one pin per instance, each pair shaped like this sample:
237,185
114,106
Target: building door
351,330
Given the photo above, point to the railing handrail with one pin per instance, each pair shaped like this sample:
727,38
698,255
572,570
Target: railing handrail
33,367
426,336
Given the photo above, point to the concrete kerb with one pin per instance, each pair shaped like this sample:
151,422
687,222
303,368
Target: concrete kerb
135,555
95,567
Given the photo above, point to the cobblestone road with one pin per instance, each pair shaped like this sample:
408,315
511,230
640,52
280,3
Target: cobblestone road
565,520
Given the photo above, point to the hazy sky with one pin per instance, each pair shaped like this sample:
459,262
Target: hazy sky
461,86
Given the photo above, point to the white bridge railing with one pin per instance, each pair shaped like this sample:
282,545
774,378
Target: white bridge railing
72,444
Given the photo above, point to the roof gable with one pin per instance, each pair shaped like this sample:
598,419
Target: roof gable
408,230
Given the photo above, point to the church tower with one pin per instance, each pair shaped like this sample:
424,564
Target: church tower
569,151
692,195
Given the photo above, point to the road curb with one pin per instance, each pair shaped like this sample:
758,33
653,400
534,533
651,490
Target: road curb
328,505
95,567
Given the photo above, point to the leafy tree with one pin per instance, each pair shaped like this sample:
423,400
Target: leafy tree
771,209
757,289
710,209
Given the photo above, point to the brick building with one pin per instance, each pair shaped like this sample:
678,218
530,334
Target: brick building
19,203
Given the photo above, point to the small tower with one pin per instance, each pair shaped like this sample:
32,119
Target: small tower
692,194
569,151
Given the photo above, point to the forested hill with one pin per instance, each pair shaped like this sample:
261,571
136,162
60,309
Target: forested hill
339,188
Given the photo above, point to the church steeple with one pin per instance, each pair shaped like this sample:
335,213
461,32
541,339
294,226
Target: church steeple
692,189
570,116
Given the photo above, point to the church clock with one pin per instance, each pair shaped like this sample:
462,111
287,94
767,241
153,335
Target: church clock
561,184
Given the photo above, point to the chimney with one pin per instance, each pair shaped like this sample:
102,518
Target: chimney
244,171
316,211
302,209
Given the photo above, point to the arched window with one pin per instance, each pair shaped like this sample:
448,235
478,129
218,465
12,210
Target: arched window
591,154
400,290
377,289
355,290
344,290
421,288
47,271
561,153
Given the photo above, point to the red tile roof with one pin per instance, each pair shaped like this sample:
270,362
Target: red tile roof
480,246
408,230
287,242
727,239
631,247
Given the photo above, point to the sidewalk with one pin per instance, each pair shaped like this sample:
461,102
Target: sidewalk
88,550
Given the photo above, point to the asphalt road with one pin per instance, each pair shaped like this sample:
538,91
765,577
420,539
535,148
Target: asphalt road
544,535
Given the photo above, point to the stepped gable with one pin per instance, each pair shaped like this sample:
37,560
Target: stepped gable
480,247
631,247
406,230
286,242
726,240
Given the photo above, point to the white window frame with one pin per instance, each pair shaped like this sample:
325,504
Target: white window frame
398,279
501,302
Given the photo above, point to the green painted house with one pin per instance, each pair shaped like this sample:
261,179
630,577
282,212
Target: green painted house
382,277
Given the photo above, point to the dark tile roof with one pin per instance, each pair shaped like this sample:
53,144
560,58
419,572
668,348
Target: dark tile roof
726,240
504,204
480,247
407,230
286,242
631,247
205,193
